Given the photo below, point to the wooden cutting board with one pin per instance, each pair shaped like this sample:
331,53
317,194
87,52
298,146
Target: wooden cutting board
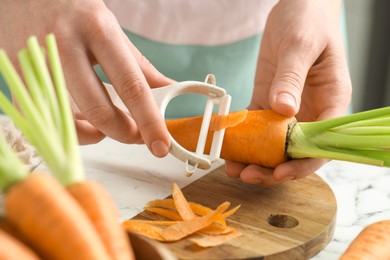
294,220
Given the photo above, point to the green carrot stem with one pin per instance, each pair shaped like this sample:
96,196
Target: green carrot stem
300,146
313,128
364,130
377,121
69,137
43,75
53,134
33,85
70,141
12,169
351,141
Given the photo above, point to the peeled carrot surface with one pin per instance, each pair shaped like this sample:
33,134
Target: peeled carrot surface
100,208
259,137
39,207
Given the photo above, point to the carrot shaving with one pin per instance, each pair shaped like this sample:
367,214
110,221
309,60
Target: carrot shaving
199,209
209,241
190,226
231,212
214,230
165,203
181,203
205,226
169,214
219,122
145,229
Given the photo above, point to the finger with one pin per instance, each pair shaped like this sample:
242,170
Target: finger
256,174
122,69
93,102
233,169
295,58
152,75
87,133
297,169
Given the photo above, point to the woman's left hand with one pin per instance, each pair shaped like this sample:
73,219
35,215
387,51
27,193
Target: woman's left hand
302,71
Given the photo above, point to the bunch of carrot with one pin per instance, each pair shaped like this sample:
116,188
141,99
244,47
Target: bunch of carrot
266,138
66,217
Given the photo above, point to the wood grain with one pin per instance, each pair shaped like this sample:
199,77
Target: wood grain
294,220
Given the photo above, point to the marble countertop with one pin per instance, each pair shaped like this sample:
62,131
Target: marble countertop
133,177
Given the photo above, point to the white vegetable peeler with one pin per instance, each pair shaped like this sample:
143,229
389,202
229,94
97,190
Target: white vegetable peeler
216,96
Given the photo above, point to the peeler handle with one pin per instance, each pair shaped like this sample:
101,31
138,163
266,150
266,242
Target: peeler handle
164,95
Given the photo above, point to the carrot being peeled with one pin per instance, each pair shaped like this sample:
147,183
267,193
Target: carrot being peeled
269,139
46,120
259,138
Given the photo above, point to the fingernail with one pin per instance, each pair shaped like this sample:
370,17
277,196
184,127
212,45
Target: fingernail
286,98
159,148
288,178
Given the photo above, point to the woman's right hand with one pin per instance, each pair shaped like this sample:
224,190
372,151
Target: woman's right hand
88,34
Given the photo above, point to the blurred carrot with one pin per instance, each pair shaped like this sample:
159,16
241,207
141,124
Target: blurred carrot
95,200
46,120
44,214
51,221
11,248
372,243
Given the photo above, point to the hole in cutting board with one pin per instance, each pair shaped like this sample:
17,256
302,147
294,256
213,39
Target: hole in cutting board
282,221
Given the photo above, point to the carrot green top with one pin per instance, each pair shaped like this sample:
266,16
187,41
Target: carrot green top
12,169
45,116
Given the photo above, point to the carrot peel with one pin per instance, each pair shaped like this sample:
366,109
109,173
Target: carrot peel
185,219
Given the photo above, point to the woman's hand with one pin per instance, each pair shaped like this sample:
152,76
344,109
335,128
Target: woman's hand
302,71
88,34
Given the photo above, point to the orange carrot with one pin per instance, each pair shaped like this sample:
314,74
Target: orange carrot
11,248
98,205
47,122
259,139
372,243
266,138
51,221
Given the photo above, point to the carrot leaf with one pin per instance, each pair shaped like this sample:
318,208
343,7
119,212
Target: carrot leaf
12,169
44,115
360,137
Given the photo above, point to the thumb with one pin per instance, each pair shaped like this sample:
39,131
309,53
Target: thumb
287,87
293,64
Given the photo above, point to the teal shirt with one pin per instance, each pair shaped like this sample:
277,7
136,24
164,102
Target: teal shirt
233,65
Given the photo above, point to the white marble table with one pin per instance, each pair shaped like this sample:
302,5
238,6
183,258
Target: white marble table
133,177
